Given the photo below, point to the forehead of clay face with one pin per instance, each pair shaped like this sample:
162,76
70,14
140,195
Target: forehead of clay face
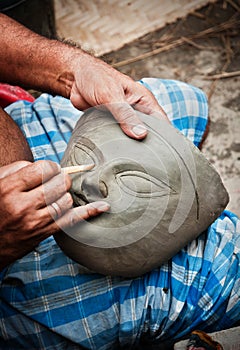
141,180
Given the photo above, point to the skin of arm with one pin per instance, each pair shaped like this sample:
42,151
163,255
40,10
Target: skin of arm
51,66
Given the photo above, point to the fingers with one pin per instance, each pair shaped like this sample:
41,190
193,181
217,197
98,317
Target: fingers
12,168
51,190
158,112
136,97
64,216
119,93
144,101
78,214
78,100
128,120
32,175
60,215
23,202
60,207
38,174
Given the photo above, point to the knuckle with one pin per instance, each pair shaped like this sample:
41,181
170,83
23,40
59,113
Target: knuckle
36,167
46,168
68,181
128,116
40,198
18,210
29,225
74,218
5,189
48,164
75,215
69,199
79,214
87,211
90,210
65,181
56,188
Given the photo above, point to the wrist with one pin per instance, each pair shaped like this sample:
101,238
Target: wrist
72,61
32,61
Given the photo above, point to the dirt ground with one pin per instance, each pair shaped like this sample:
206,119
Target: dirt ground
201,50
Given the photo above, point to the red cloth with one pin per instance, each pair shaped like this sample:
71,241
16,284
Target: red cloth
10,94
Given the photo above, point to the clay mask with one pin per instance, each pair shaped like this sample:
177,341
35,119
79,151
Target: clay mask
162,191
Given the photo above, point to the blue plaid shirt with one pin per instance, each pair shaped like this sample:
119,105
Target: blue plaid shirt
50,302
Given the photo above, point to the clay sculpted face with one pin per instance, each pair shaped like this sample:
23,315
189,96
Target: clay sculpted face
162,193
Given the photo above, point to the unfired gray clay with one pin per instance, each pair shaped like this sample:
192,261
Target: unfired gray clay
162,191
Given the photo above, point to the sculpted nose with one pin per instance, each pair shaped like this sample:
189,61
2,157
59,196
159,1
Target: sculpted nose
94,188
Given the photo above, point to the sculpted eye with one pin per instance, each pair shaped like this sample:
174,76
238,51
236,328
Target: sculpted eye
141,184
83,155
86,152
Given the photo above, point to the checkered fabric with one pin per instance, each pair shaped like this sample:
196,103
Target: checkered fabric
50,302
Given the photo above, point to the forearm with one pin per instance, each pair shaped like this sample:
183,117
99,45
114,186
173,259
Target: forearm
33,61
14,146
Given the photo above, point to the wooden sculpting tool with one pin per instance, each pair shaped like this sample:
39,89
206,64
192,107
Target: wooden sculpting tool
77,168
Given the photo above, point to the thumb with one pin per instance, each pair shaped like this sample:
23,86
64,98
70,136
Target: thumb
12,168
128,119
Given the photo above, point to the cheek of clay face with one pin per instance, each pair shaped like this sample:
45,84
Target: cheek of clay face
162,191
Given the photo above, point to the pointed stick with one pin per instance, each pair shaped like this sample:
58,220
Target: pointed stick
77,168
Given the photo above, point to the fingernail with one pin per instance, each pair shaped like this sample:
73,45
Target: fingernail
139,130
103,206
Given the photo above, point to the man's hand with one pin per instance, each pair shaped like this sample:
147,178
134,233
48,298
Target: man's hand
35,203
68,71
98,84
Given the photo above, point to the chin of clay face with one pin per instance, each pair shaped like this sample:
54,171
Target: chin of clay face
162,191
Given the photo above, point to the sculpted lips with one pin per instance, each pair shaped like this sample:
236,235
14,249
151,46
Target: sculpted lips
81,199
